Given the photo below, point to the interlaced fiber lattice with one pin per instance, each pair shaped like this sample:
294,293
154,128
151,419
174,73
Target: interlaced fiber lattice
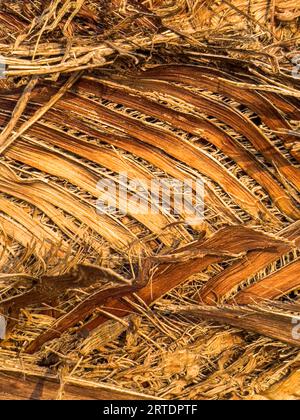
114,305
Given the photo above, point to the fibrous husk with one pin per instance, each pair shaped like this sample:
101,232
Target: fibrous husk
160,305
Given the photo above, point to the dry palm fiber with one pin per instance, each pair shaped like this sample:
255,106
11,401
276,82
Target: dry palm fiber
157,89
